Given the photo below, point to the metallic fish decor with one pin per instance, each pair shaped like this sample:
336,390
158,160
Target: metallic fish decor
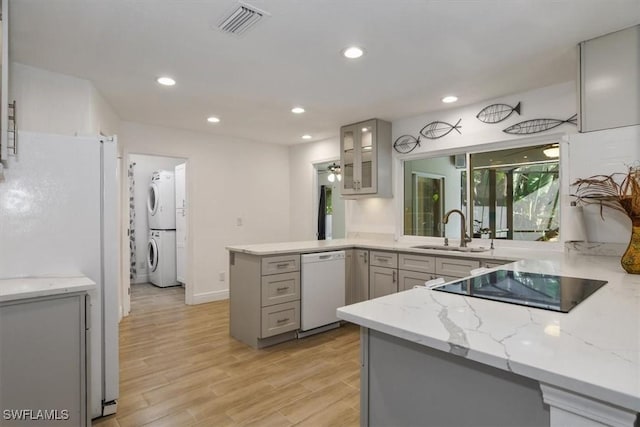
497,112
538,125
406,144
438,129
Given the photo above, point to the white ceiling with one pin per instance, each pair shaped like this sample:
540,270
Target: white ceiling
416,52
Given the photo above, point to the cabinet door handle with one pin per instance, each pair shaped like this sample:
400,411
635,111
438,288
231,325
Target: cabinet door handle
365,257
284,288
280,321
394,276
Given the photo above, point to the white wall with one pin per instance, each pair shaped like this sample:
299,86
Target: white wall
603,153
227,179
144,168
56,103
302,210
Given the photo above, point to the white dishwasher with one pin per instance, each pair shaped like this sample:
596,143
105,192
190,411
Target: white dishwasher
322,290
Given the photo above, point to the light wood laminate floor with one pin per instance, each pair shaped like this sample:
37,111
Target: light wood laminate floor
180,367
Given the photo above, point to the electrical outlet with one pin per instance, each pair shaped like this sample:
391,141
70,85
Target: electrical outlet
221,276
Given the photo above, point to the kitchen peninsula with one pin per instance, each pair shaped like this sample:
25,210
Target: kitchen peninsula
265,279
437,358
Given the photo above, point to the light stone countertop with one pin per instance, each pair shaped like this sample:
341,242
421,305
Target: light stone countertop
31,287
502,253
593,350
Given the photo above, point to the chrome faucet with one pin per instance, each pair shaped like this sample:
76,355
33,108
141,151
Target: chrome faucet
464,238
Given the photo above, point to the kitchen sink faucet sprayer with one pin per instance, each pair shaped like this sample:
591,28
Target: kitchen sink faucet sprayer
464,238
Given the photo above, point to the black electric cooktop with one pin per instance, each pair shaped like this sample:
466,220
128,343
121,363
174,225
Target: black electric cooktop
556,293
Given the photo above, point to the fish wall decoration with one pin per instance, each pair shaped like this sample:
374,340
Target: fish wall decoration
538,125
438,129
406,144
497,112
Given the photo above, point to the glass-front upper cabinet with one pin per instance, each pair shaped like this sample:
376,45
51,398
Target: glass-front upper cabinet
348,156
366,159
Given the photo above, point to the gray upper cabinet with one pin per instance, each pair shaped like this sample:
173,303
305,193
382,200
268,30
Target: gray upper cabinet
365,156
609,88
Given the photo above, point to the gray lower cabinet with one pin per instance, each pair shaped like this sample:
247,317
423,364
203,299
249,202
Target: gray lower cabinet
264,294
348,276
43,367
409,279
360,275
383,273
382,281
403,383
357,275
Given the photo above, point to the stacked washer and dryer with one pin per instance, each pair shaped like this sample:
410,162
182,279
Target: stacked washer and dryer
161,210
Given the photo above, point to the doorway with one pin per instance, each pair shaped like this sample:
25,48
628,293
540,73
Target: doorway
329,201
157,223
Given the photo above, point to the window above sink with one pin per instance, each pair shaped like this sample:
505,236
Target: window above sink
514,192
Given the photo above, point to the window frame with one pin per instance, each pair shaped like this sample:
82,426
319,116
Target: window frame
562,138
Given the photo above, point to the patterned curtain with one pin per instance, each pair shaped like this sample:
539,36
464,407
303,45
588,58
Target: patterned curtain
132,223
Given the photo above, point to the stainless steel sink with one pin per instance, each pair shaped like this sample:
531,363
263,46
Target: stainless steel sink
452,248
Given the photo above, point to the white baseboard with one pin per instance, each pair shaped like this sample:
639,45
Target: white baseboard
210,296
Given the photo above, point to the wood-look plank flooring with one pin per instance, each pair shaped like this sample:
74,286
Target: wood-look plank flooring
180,367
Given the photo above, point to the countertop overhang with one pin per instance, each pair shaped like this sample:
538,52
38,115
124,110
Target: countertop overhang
594,350
21,288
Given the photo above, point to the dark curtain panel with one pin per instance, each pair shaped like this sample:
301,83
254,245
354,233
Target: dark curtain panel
322,212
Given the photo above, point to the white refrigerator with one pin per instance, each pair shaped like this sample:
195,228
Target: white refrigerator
59,216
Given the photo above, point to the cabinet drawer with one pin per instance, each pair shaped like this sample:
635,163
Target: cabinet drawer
383,259
280,264
455,267
409,279
426,264
279,288
280,318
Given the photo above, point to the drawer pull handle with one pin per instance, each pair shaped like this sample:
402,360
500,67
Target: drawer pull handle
282,289
280,321
283,265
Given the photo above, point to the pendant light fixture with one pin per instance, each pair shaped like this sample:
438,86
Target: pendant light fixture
334,173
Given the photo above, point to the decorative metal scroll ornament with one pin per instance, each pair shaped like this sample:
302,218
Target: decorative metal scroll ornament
529,127
497,112
406,144
438,129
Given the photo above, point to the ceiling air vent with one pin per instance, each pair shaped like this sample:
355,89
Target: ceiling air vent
241,19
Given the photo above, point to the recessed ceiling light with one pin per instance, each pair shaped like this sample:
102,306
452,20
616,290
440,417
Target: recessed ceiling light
449,99
353,52
297,110
306,136
166,81
213,119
